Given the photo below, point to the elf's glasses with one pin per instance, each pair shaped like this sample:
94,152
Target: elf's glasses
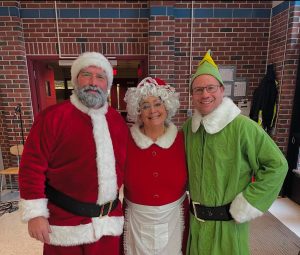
209,89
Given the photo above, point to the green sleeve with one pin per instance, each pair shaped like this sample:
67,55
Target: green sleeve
268,164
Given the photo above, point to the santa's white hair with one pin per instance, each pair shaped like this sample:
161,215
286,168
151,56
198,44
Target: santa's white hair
151,87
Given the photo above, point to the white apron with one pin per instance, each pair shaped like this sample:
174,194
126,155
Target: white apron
154,230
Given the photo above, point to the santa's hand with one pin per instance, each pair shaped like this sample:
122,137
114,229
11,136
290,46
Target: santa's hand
39,229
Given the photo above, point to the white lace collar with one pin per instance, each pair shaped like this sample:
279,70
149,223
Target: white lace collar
144,142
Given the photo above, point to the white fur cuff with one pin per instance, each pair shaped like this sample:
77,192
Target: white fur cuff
34,208
243,211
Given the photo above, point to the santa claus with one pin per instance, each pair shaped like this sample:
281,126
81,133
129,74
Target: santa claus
72,167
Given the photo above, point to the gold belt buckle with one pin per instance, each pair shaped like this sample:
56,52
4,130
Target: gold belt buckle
195,211
110,206
109,209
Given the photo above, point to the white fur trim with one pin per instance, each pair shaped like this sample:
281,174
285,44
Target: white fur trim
214,122
87,233
34,208
241,210
107,177
110,226
92,59
144,142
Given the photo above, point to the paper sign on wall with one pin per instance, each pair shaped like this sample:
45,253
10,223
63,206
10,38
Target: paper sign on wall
240,88
227,73
228,89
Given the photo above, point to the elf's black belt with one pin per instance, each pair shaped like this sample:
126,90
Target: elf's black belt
203,213
77,207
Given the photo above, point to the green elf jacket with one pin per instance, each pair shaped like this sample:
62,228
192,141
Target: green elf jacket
224,150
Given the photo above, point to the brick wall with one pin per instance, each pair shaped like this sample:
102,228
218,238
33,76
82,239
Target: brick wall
161,43
111,36
284,53
241,42
14,87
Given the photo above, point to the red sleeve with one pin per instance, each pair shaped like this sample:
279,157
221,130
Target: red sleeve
34,161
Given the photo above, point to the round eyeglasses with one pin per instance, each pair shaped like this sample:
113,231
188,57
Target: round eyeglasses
148,106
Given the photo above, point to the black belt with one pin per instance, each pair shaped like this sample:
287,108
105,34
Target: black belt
203,213
77,207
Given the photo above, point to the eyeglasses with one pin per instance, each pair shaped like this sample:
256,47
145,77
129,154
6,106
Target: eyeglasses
210,89
148,106
88,75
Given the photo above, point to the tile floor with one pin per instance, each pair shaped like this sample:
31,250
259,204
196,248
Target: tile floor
288,212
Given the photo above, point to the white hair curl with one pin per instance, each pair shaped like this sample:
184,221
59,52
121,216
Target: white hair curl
150,87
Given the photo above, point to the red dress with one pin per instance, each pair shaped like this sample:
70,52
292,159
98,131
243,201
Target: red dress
155,173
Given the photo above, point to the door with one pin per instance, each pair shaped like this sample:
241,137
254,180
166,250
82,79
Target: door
117,93
292,182
45,86
42,85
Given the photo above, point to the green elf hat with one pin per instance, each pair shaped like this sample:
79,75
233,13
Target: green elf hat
208,66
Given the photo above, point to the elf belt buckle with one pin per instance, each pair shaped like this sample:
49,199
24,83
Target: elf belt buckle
195,211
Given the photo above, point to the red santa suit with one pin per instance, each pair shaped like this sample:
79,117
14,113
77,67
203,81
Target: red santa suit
155,184
81,152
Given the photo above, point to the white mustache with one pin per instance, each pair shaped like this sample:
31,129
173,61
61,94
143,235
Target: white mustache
92,88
